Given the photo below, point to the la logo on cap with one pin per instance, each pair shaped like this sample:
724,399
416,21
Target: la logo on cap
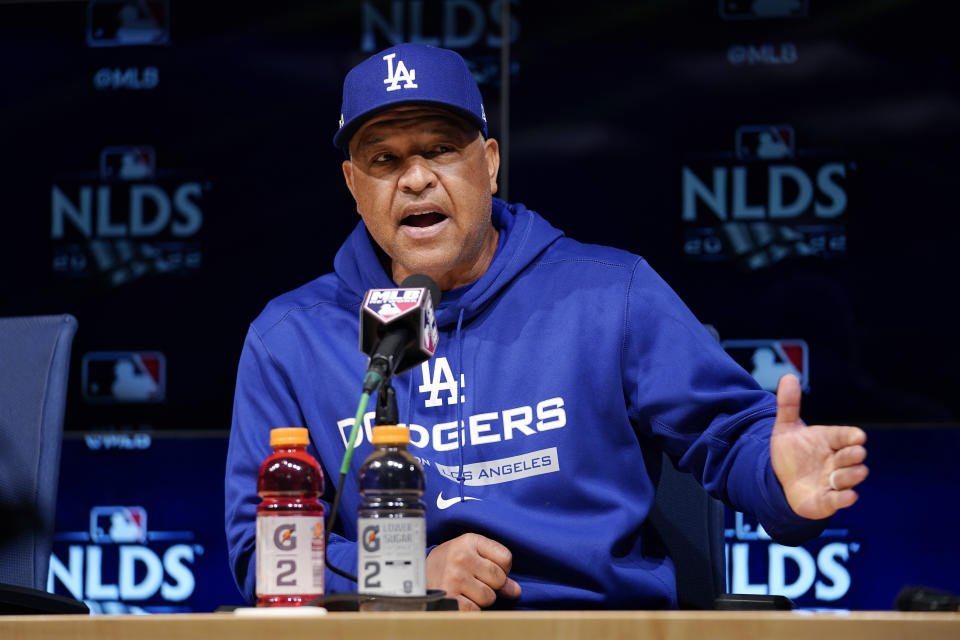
393,80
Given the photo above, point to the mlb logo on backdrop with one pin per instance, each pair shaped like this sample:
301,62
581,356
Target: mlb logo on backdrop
124,376
760,9
118,524
764,142
128,163
128,23
768,360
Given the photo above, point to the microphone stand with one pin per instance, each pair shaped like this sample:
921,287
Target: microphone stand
387,413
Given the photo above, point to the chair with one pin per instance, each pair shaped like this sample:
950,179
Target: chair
34,365
689,523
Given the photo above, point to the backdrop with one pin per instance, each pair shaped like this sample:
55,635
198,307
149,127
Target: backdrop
787,165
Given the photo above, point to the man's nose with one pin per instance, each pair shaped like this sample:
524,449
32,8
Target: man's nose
417,175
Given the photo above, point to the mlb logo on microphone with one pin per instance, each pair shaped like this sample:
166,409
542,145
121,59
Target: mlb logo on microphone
387,304
124,376
118,524
768,360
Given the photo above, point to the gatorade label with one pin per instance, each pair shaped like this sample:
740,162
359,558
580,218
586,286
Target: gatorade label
289,555
391,556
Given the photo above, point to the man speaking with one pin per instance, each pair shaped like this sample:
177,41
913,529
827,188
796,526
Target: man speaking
559,365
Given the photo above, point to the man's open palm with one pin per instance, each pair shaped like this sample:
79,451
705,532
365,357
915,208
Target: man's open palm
817,466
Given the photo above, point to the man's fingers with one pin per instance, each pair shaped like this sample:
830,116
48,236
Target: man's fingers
840,437
510,589
496,562
847,477
841,499
489,573
469,580
478,593
466,604
788,401
849,456
495,552
473,569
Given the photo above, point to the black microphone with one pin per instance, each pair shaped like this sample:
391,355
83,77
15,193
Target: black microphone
926,599
398,329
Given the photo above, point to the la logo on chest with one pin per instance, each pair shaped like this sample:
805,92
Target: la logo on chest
398,75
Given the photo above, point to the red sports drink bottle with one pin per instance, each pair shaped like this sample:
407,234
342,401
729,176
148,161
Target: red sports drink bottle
290,532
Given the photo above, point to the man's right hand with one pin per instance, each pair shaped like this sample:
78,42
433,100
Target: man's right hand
473,569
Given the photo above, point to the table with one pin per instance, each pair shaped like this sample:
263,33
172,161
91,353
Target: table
493,625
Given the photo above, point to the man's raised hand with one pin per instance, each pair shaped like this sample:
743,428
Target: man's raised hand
817,466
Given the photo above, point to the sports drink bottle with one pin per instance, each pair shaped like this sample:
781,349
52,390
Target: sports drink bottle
290,529
391,528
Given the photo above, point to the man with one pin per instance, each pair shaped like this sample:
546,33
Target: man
559,365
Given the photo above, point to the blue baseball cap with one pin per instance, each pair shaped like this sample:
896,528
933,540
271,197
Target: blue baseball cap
408,74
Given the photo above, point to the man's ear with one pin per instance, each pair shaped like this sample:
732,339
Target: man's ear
492,155
347,167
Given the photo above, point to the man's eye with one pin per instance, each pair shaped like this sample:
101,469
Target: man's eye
383,158
440,149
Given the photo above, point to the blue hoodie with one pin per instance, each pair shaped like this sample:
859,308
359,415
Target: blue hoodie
562,364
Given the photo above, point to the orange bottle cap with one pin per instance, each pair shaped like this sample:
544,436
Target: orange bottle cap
391,434
289,436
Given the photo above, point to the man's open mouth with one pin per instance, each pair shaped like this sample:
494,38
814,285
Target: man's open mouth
427,219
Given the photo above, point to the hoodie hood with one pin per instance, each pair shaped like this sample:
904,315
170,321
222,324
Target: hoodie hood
524,235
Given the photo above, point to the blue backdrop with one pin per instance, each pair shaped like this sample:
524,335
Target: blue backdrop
789,167
901,532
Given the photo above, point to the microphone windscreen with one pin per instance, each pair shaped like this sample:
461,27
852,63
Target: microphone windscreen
426,282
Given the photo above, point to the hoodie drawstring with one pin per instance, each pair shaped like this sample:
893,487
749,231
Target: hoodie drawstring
409,408
458,377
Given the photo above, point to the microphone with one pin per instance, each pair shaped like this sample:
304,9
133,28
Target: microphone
926,599
398,329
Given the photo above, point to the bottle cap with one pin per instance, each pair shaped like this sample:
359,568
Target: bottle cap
391,435
289,436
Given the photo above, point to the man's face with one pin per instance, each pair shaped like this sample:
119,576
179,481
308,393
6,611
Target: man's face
423,178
